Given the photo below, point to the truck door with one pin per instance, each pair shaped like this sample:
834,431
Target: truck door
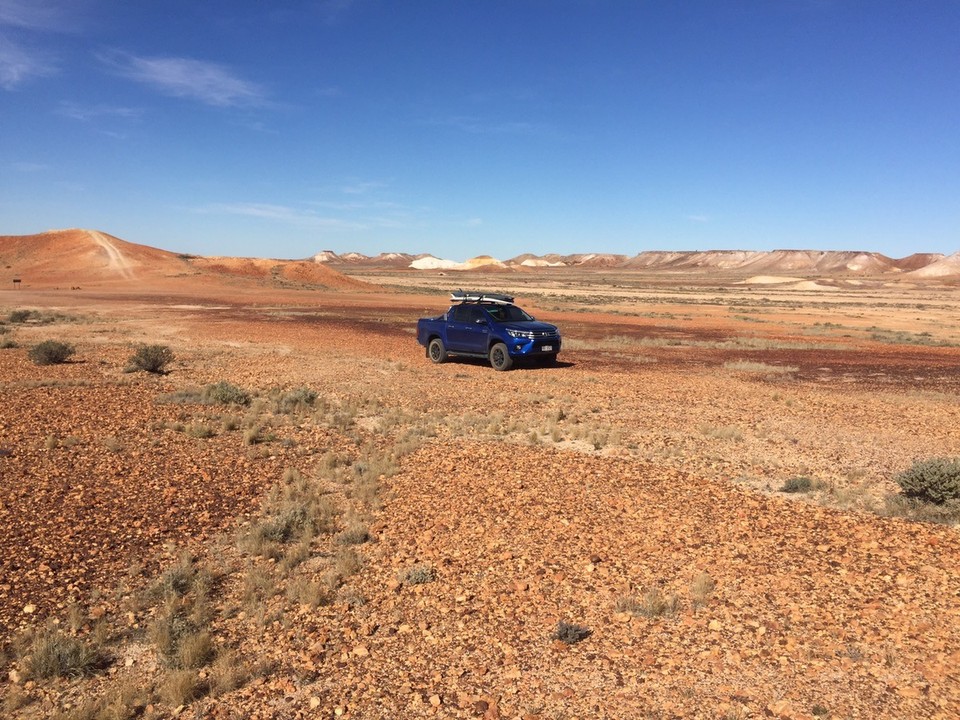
467,329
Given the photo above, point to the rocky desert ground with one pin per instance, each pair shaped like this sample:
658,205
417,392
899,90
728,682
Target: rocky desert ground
694,515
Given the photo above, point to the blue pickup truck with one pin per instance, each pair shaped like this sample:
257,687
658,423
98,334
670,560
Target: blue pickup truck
488,325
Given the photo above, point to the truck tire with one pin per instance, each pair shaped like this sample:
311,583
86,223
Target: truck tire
500,358
436,351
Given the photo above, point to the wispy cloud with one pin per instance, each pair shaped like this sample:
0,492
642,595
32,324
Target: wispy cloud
33,14
19,61
86,113
281,213
207,82
29,167
480,126
361,187
333,10
698,218
18,64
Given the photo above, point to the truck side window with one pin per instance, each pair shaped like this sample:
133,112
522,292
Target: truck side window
477,315
461,313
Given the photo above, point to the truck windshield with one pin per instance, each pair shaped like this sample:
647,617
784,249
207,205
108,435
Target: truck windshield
507,313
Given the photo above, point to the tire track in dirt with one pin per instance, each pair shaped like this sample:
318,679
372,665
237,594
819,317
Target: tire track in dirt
117,260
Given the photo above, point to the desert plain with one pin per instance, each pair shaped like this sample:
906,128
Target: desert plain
694,514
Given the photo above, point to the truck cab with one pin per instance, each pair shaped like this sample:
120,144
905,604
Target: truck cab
488,325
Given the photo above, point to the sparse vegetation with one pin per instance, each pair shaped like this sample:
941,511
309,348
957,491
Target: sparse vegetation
151,359
701,588
936,480
722,432
799,484
652,604
354,535
55,654
182,687
224,393
570,633
759,368
418,574
50,352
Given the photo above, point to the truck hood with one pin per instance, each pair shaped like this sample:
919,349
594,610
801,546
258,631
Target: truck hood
534,326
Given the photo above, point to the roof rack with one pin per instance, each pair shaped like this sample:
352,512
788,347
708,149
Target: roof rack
476,296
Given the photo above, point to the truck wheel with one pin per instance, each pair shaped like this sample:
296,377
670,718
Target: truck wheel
436,351
499,357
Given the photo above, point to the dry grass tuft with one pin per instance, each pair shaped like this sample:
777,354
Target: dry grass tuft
181,687
701,588
55,654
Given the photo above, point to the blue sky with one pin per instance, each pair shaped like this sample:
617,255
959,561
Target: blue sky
458,127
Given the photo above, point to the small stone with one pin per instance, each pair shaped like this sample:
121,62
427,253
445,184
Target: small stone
29,609
314,702
435,700
714,625
480,707
14,677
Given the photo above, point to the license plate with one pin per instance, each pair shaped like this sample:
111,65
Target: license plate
547,348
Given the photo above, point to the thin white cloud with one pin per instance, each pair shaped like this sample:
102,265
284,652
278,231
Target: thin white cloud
332,10
85,113
698,218
361,187
29,167
479,126
32,14
207,82
281,213
18,64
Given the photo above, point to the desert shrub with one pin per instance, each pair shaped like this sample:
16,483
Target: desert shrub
283,526
20,316
7,343
296,399
418,574
652,604
799,484
936,480
182,687
354,535
200,431
177,580
151,358
50,352
947,513
224,393
54,654
570,633
701,588
196,650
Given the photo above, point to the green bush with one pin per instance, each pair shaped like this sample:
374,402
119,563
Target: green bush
570,633
936,480
151,358
50,352
223,393
799,484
